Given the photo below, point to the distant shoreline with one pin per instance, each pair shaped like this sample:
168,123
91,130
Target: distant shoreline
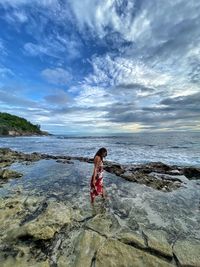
16,134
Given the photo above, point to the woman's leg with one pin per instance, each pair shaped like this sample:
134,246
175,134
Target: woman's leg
92,196
104,193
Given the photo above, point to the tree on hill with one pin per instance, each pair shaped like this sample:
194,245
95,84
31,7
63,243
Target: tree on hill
10,122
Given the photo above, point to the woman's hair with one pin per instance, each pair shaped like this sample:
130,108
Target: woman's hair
100,152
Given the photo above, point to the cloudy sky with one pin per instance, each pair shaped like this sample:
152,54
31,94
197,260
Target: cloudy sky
101,66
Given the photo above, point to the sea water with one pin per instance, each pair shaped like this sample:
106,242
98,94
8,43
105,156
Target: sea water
180,148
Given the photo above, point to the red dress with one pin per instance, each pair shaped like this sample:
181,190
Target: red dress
99,183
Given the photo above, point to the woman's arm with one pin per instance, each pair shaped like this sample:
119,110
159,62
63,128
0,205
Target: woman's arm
97,161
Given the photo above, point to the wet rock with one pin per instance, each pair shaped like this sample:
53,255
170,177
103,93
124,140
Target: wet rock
192,173
157,240
148,167
44,226
69,242
34,212
165,176
63,261
6,174
78,216
64,161
10,156
174,172
11,212
114,168
155,174
49,222
128,175
101,224
150,180
4,164
19,256
88,242
114,253
187,252
31,203
132,238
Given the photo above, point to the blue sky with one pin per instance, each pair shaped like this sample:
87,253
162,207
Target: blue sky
101,67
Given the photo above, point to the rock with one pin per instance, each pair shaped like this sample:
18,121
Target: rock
187,252
6,174
157,240
114,253
65,161
174,172
191,173
129,237
165,176
104,223
11,213
49,222
5,164
31,203
87,244
164,189
100,224
39,231
177,183
63,261
151,166
128,175
45,225
114,168
77,215
20,256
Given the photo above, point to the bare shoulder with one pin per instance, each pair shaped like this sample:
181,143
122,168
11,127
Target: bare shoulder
97,159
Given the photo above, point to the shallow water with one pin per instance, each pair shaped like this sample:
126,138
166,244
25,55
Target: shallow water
133,204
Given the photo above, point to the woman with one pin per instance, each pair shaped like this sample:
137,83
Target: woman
96,184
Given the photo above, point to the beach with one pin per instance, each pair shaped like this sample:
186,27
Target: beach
152,217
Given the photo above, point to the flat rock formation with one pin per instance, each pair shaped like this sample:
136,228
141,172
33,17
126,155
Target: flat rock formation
152,219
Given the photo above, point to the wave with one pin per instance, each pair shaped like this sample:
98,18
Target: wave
178,147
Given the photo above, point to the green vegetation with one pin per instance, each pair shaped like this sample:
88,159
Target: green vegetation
17,124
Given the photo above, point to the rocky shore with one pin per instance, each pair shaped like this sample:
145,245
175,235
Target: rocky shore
13,133
151,219
156,175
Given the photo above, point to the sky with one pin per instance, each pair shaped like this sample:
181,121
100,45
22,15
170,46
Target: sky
99,67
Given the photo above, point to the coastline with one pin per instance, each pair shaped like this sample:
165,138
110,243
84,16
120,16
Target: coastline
18,134
59,227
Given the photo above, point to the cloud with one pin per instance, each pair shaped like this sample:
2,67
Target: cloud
55,46
189,102
57,76
114,71
3,50
48,22
59,97
5,72
180,112
158,35
15,100
16,16
20,3
129,65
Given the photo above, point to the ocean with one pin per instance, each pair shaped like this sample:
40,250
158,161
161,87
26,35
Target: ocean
179,148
